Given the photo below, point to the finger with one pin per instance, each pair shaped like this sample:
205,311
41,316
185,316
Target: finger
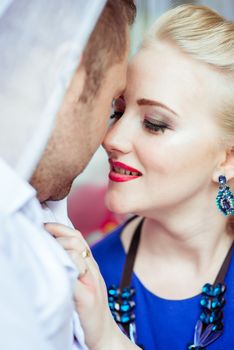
78,252
92,264
59,230
75,253
92,274
71,243
72,240
79,262
92,284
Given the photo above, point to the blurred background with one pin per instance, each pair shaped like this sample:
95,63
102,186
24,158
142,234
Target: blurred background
86,205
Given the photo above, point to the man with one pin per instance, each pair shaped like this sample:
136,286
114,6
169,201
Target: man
83,117
39,49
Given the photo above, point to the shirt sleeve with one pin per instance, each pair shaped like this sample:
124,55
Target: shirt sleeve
18,325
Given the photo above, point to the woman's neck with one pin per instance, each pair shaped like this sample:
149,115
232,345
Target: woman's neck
199,243
184,248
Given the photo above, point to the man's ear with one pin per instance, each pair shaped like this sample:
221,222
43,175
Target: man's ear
226,167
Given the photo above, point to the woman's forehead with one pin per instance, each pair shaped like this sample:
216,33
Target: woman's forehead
168,73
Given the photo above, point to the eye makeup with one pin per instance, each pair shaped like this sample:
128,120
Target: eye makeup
154,118
159,115
154,126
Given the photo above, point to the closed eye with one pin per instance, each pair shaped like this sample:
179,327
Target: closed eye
155,127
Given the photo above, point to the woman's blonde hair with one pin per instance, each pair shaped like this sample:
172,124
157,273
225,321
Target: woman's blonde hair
208,37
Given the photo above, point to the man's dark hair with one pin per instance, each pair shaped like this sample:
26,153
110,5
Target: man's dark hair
107,43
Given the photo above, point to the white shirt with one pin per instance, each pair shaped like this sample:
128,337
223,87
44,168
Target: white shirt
36,275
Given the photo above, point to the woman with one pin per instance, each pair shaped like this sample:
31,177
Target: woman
170,149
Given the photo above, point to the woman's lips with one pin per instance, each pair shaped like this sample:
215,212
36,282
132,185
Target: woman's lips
121,172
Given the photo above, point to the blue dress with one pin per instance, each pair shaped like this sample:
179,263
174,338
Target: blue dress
163,324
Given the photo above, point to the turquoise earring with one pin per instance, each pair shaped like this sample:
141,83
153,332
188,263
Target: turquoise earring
225,197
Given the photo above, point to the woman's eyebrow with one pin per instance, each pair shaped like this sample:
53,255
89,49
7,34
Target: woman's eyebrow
147,102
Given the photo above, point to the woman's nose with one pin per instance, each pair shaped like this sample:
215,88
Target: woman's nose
118,138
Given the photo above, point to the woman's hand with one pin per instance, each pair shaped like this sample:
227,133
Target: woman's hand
101,332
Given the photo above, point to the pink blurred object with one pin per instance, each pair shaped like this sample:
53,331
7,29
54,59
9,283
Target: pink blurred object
88,213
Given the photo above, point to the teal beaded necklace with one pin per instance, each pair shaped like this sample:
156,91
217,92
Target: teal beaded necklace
208,328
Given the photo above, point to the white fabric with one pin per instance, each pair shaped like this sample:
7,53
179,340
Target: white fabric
57,212
40,42
36,273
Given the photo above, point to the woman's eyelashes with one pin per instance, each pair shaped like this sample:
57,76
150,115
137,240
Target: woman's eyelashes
155,126
151,125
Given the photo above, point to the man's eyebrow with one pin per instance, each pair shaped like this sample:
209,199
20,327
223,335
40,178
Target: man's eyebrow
147,102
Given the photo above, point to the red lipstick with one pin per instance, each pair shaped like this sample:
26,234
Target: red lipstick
121,172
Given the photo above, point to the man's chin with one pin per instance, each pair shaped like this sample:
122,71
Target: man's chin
56,194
